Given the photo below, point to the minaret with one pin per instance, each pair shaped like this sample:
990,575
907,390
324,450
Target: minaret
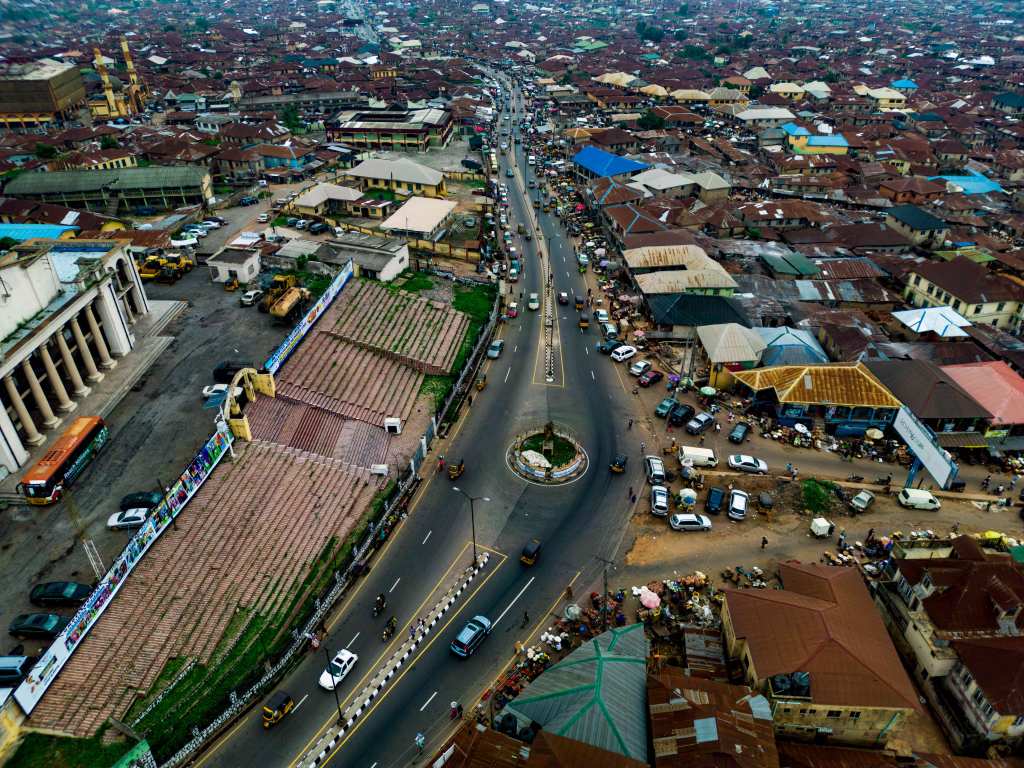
108,89
138,87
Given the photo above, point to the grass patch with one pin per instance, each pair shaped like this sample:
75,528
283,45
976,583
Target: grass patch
437,387
279,221
562,452
415,282
39,750
817,495
475,183
475,302
171,668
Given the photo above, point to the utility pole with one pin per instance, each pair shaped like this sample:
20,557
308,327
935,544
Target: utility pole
80,533
604,598
337,701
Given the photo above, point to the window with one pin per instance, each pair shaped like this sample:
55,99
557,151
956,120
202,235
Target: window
956,304
931,290
917,279
1018,721
977,310
834,713
854,715
978,697
1001,306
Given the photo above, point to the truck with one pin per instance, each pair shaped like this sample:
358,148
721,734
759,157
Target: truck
277,288
290,304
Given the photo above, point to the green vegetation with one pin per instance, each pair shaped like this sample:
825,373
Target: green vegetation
437,387
108,142
650,122
280,221
45,151
380,194
42,751
475,302
562,451
413,282
817,495
290,118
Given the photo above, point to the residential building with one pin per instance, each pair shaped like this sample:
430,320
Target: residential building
1000,390
911,189
957,618
969,288
677,269
403,177
593,163
39,93
375,258
425,218
67,313
818,650
918,226
407,130
756,118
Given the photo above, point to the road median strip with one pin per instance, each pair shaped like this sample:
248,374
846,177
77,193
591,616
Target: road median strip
361,702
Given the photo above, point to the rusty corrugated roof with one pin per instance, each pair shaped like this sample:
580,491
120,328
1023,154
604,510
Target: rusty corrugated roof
827,384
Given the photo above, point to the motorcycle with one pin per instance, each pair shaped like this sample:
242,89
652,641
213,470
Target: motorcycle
389,630
855,479
883,480
378,607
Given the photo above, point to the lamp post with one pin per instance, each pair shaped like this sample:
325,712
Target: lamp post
337,701
472,514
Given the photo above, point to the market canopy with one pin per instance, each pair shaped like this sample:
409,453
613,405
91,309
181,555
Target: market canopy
597,694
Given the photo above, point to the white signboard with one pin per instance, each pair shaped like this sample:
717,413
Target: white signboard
922,444
56,656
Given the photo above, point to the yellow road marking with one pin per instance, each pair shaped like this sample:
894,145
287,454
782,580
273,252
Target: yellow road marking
410,663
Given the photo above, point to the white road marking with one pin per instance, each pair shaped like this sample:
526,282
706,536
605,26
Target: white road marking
515,349
356,637
586,350
425,703
509,606
394,585
592,375
300,702
566,274
507,373
427,536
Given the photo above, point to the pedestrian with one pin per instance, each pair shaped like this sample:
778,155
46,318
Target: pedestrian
412,631
718,427
631,490
421,741
632,499
643,446
842,538
789,468
871,535
526,618
630,425
470,401
764,542
985,482
956,527
702,439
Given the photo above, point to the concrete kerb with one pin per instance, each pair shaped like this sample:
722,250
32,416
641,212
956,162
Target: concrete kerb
365,697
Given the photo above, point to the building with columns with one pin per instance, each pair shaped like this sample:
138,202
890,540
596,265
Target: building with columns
67,309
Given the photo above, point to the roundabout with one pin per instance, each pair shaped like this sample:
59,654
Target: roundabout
547,455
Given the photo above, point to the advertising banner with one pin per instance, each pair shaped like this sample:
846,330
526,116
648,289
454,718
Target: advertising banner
184,488
922,444
277,359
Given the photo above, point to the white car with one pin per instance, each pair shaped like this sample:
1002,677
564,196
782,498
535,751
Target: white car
745,463
661,500
623,353
195,232
533,302
128,519
601,316
263,218
338,669
639,367
689,522
738,502
220,389
210,224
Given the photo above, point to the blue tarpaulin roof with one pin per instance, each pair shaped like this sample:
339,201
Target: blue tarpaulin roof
601,163
22,232
973,183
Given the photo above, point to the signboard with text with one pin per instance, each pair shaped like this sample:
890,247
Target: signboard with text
922,444
178,495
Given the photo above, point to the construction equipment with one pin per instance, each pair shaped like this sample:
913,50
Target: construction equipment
277,288
290,304
180,261
169,274
150,270
231,285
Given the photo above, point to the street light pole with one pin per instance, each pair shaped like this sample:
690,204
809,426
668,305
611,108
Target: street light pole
472,515
337,701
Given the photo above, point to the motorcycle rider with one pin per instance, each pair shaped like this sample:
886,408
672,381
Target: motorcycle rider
381,603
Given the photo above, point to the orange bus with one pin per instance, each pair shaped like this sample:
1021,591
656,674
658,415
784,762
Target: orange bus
67,457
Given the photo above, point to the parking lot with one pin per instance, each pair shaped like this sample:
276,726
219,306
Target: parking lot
155,431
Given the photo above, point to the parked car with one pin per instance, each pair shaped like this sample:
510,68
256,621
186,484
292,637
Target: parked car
495,348
715,500
291,221
862,501
744,463
43,625
141,499
211,223
302,223
738,501
700,423
127,519
59,593
608,346
689,522
248,200
663,408
681,414
220,389
639,367
471,636
14,669
661,501
337,670
249,298
601,316
654,469
513,309
650,377
263,218
739,433
623,353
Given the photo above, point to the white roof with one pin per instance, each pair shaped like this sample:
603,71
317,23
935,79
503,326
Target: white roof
943,321
317,195
730,343
419,214
766,113
403,170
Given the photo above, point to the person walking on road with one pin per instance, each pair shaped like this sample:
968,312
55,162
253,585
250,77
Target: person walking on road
643,447
764,542
630,425
526,618
421,742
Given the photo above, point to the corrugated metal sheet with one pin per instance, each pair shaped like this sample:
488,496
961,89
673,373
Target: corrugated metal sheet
832,384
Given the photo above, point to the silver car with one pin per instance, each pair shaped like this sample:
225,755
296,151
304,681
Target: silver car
660,500
744,463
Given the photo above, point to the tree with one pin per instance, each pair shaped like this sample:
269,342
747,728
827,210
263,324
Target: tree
290,118
45,151
108,142
649,121
679,34
652,33
684,10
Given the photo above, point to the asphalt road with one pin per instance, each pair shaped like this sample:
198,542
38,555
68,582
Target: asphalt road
574,522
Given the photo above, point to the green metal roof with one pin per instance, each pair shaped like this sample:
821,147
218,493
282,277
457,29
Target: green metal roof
153,177
597,694
791,264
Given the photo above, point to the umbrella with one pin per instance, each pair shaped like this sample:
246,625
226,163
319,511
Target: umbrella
687,497
874,434
648,599
801,428
673,378
708,391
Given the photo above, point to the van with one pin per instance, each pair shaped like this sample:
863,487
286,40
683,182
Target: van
609,331
14,669
914,498
654,468
699,457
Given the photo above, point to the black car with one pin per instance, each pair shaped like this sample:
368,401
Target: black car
45,625
248,200
609,346
59,593
715,501
700,423
739,433
680,414
141,500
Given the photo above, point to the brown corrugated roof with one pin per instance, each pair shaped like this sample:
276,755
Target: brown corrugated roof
832,384
823,623
799,755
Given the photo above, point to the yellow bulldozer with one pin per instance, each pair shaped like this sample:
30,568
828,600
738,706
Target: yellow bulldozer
290,304
180,261
152,267
278,287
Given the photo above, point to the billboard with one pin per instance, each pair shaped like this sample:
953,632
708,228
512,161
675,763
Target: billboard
922,444
277,359
178,495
